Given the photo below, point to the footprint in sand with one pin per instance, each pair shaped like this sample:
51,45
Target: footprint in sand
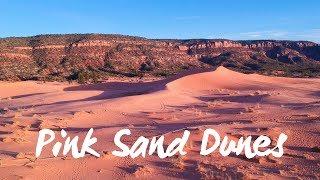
138,170
209,171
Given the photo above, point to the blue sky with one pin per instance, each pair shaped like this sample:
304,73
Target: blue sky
182,19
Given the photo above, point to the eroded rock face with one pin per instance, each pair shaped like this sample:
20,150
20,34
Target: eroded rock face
62,55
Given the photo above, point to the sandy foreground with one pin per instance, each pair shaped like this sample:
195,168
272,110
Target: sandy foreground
232,103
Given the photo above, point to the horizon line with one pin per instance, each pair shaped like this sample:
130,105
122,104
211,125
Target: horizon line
142,37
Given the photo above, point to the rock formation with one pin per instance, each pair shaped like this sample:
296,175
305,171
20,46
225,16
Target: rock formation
61,57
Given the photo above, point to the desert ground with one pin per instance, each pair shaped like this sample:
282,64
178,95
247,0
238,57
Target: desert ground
232,103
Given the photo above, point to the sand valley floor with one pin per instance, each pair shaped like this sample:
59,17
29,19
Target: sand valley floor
232,103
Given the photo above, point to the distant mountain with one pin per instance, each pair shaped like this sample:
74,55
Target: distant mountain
90,57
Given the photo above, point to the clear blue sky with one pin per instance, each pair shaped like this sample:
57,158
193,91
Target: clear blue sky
247,19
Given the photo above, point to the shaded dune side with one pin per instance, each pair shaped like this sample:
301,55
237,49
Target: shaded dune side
191,81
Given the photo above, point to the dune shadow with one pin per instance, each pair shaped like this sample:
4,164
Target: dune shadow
309,105
204,108
252,129
238,98
9,153
5,132
112,90
121,89
131,169
315,93
304,149
26,95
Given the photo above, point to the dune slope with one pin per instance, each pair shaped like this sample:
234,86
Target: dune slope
232,103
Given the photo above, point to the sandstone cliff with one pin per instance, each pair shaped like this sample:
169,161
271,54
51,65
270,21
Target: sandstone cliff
95,56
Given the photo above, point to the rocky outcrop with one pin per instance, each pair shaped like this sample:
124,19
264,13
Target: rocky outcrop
64,56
